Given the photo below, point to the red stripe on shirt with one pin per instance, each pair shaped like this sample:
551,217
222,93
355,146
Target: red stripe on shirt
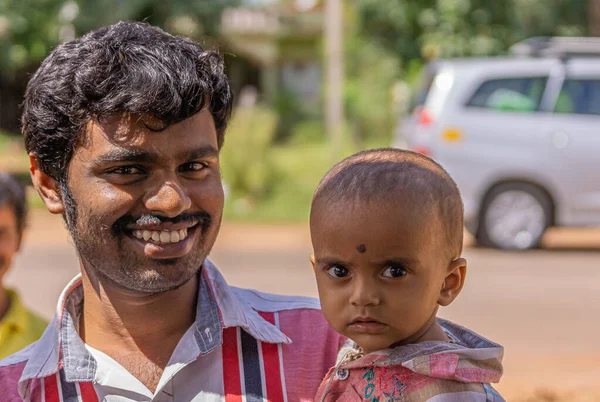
87,392
272,367
231,366
51,389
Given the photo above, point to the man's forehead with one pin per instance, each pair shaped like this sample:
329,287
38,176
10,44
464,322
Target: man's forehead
142,133
124,130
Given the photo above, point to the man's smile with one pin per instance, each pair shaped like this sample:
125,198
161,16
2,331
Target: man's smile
166,243
162,233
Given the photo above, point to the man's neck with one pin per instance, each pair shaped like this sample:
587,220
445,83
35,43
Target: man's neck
139,331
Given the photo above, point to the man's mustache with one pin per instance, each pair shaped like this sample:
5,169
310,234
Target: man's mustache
203,219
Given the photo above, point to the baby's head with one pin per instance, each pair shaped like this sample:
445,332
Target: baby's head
387,232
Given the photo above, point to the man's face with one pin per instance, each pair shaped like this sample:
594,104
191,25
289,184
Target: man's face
144,207
9,238
379,270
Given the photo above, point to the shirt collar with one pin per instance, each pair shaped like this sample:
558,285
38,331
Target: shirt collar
218,307
236,312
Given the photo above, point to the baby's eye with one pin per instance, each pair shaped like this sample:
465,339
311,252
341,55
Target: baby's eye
394,272
338,271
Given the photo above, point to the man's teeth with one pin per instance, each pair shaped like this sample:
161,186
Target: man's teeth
161,237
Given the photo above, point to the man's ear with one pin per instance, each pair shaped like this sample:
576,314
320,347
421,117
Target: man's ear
46,187
453,282
312,261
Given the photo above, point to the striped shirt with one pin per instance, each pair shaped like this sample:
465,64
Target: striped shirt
245,346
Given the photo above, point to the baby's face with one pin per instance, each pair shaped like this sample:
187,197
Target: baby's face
380,269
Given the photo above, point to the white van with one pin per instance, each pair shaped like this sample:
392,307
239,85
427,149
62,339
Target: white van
520,135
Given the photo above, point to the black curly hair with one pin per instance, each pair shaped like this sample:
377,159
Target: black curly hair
128,67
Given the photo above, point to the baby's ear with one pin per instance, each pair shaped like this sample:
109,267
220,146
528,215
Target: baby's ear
312,261
453,282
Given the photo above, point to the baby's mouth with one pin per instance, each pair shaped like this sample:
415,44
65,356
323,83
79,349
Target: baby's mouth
363,320
367,325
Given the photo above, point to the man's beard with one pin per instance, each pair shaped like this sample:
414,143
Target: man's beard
102,247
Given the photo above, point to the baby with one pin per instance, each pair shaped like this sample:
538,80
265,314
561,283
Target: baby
387,234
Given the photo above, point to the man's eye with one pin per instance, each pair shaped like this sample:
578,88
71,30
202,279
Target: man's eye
193,167
338,271
394,272
126,170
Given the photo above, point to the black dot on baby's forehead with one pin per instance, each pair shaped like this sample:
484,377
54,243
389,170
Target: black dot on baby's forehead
361,248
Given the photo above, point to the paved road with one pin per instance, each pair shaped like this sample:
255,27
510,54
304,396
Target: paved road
543,305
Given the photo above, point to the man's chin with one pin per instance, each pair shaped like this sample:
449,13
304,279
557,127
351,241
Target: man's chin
156,282
168,261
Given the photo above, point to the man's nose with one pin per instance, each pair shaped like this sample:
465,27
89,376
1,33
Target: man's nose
169,199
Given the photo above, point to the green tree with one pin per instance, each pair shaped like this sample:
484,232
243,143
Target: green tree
197,18
30,29
451,28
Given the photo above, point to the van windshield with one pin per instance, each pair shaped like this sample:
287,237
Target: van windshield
423,87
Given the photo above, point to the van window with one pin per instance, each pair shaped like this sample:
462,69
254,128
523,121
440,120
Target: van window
579,96
425,82
523,94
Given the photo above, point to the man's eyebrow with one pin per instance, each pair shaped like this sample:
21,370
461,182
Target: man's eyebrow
198,153
136,155
126,155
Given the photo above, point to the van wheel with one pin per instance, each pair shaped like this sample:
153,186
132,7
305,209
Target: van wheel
514,216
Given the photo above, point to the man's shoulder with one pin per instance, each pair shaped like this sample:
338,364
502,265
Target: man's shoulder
272,303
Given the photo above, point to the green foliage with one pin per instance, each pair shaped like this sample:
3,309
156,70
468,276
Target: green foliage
297,170
198,18
13,157
310,131
371,74
247,162
29,29
291,111
5,141
454,28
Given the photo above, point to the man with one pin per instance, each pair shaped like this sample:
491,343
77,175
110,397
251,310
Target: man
18,326
123,127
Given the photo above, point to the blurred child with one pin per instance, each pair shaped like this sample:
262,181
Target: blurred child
387,234
18,326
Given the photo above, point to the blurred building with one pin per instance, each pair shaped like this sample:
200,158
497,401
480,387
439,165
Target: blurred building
275,46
